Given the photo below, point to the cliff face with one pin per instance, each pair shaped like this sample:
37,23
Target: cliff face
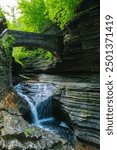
82,40
79,94
81,43
80,99
5,73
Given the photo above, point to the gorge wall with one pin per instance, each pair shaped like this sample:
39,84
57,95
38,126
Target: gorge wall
79,97
79,94
82,41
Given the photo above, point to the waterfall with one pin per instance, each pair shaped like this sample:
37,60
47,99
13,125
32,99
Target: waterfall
39,99
31,105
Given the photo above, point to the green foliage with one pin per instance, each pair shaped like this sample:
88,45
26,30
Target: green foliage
1,14
61,11
36,16
33,15
22,53
6,44
7,41
14,25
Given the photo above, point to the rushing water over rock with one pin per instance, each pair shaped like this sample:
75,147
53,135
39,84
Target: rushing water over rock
40,101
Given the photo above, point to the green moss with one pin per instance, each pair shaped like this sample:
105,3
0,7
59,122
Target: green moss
6,45
7,41
29,131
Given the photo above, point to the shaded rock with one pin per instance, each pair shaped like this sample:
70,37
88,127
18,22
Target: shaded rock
80,99
81,44
14,102
82,41
5,74
16,67
18,134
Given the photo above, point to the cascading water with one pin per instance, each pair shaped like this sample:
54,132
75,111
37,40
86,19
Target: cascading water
31,105
39,98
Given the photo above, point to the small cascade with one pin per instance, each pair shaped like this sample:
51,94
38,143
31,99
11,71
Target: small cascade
39,98
31,105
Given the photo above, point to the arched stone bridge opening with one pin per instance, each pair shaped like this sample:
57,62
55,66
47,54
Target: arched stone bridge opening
49,42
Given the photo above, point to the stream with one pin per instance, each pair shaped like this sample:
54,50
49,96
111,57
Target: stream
39,99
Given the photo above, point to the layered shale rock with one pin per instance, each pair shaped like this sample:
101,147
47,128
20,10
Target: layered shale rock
80,99
81,37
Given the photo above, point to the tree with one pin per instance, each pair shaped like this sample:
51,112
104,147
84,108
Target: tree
61,11
39,15
1,14
33,16
2,22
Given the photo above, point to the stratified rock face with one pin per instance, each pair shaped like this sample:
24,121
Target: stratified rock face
80,98
82,105
82,41
5,72
16,134
5,60
79,95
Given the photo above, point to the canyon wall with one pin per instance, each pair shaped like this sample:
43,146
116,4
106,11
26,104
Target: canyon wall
80,93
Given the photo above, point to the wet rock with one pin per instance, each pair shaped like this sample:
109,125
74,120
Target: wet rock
80,99
16,133
13,102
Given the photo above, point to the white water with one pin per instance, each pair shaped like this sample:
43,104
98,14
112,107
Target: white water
32,107
39,98
36,97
